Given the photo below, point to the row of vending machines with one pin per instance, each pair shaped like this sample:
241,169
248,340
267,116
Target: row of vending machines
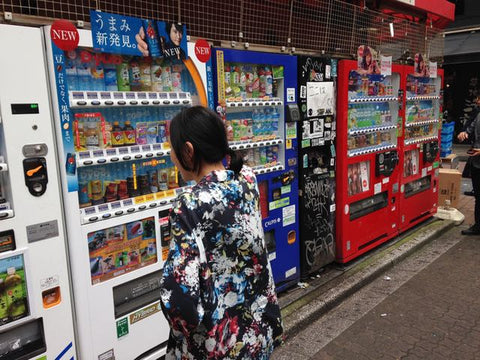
344,161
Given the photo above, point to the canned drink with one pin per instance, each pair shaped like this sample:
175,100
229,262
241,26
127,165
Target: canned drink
151,35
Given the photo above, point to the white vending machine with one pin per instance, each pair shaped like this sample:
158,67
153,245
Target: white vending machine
36,319
111,116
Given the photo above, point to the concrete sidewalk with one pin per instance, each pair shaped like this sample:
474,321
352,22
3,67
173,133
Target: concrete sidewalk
434,315
301,306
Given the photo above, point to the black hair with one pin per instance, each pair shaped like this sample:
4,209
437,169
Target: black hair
366,51
204,129
168,27
419,60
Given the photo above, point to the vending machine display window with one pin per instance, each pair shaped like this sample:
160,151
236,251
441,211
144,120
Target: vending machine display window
358,177
124,180
120,249
14,304
410,163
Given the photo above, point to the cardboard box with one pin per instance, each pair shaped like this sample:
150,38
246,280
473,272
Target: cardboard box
449,185
450,161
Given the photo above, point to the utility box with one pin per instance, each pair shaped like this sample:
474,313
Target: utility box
450,181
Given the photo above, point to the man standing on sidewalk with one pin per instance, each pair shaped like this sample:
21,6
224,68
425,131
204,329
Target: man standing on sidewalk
472,131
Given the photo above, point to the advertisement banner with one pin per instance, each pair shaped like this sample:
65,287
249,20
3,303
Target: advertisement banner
126,35
121,249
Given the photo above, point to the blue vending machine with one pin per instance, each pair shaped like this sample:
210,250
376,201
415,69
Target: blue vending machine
254,92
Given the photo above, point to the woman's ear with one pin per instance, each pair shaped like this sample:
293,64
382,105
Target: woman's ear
188,154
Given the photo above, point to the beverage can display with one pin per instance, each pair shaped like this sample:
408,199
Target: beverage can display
156,75
145,74
151,35
167,78
110,76
134,75
123,77
177,78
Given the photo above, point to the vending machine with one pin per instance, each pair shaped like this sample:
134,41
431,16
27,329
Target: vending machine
369,119
256,97
111,117
420,152
316,132
36,313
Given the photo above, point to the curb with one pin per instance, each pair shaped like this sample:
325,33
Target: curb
300,313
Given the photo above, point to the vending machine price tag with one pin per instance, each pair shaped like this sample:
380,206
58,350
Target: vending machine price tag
98,153
118,96
130,95
149,197
157,146
103,207
182,95
146,148
77,95
139,199
142,96
152,95
170,193
159,195
123,150
127,202
105,95
135,149
163,96
173,96
84,155
92,95
111,152
90,211
116,205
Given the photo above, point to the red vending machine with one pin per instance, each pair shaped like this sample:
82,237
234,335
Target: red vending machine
419,145
369,118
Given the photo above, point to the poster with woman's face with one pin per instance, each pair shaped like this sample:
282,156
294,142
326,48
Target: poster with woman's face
420,66
173,39
368,62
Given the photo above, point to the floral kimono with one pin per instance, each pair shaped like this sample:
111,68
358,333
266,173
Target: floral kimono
217,288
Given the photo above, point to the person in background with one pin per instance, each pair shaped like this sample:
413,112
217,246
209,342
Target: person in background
217,291
472,132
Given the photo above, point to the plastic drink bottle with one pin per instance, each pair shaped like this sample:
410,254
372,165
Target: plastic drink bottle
268,82
262,82
117,135
129,133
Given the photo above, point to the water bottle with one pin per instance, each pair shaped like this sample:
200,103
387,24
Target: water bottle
275,122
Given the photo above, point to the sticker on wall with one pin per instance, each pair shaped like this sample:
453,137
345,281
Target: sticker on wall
420,67
377,188
288,214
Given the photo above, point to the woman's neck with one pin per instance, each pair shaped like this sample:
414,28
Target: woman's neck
206,169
